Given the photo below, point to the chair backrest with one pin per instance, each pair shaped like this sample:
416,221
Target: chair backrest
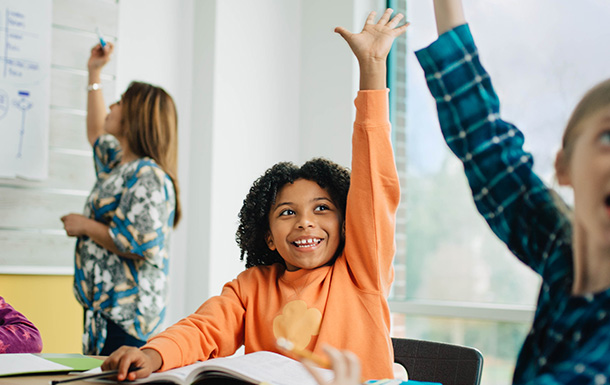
439,362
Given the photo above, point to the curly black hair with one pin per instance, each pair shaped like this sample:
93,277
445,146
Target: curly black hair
254,214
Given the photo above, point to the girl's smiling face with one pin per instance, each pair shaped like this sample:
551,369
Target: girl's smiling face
304,225
587,171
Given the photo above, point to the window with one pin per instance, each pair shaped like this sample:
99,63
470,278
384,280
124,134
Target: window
455,281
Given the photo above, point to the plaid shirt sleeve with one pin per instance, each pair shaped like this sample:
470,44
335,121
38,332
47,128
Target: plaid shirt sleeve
516,204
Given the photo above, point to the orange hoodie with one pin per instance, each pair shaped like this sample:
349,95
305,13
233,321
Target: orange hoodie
343,305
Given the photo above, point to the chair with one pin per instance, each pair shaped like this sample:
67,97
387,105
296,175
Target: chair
439,362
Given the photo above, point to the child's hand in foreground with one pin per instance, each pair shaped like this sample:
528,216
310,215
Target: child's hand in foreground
345,364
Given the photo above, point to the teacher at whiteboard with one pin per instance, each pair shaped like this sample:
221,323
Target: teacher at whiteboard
121,257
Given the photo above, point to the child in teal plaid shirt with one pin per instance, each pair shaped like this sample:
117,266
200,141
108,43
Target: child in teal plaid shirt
569,342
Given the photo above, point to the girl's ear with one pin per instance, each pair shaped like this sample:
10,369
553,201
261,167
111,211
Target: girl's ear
562,169
269,240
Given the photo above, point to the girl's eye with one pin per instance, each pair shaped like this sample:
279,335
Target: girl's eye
322,208
604,138
286,212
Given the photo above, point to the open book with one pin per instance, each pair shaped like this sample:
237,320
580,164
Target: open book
253,368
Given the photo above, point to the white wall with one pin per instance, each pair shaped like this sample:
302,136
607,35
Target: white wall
255,114
329,77
256,82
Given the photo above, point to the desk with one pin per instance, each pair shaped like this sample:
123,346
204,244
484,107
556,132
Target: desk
39,379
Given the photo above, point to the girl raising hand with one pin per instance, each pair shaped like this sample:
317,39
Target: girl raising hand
318,243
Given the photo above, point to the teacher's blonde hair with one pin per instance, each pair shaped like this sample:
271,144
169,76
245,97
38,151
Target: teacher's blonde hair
150,125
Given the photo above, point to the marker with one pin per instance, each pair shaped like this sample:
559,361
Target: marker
301,353
99,35
320,361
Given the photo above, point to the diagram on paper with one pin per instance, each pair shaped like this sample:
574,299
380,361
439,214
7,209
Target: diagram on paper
25,41
23,104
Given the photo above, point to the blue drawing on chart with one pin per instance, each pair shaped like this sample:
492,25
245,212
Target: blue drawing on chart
4,103
24,104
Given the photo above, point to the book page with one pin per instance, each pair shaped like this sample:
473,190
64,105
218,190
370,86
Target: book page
24,363
177,375
255,367
183,375
267,367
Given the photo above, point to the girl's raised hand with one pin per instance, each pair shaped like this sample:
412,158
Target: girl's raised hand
373,43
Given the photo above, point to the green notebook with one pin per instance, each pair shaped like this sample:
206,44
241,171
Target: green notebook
25,363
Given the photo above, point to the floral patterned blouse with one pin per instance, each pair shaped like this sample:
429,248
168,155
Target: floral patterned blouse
137,201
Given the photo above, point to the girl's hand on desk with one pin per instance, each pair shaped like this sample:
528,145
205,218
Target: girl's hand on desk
148,360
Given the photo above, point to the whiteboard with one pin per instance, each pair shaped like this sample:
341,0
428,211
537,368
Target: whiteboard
25,65
32,238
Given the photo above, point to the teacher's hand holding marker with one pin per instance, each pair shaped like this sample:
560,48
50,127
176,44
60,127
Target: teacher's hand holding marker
100,55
